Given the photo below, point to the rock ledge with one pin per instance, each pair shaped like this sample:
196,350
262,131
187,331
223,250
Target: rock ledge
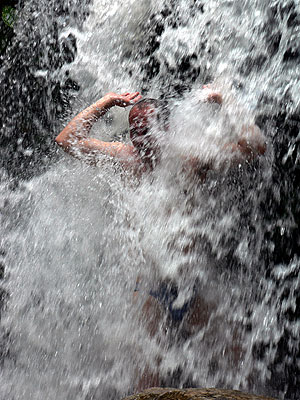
194,394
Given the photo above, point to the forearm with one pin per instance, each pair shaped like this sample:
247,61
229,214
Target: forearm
73,139
81,125
250,143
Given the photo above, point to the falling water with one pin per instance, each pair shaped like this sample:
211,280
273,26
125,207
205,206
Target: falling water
76,238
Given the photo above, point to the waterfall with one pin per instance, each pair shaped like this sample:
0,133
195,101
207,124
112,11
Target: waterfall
75,239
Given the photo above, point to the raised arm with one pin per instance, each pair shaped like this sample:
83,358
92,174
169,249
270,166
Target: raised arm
74,139
251,141
250,144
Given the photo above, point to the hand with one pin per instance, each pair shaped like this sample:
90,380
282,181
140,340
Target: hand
123,100
211,96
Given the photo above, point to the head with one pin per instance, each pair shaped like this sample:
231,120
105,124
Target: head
145,114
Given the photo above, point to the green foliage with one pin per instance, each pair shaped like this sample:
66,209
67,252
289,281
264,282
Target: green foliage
9,15
7,20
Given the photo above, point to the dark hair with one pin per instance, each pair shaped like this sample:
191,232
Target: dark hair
140,109
140,119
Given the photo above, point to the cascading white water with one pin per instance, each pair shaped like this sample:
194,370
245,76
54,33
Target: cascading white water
78,237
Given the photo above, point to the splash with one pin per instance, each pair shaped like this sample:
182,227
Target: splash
78,238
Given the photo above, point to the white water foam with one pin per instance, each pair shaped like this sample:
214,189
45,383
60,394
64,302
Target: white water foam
81,236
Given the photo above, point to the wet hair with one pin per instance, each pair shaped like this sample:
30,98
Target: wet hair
144,110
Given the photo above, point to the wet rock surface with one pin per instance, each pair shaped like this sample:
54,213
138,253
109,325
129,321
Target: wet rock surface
194,394
34,96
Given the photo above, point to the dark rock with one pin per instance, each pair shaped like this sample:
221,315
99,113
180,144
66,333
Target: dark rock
194,394
3,299
2,270
33,99
284,369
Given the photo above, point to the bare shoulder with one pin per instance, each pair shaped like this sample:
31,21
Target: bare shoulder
129,158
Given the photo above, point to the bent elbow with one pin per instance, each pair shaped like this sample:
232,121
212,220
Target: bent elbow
251,150
261,144
62,142
262,148
259,140
58,141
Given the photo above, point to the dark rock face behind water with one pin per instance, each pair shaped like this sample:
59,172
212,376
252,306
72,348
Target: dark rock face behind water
194,394
286,180
33,98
